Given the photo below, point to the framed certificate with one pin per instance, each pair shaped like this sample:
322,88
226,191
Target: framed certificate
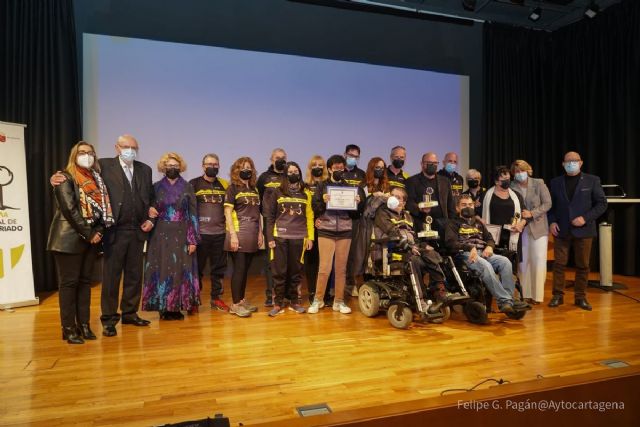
342,198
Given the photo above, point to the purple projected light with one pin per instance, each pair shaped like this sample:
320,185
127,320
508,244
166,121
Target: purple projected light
196,99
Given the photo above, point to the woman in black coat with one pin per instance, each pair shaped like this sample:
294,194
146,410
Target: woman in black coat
82,213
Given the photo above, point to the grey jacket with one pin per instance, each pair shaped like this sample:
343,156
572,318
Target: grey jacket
538,201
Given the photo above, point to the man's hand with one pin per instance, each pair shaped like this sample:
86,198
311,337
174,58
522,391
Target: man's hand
57,179
326,197
191,249
146,226
415,250
473,255
487,252
153,212
554,229
309,245
272,244
578,221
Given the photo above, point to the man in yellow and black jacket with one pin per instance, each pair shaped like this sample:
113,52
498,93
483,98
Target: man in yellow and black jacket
210,191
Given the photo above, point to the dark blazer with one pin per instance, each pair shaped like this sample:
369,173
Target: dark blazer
588,201
114,179
416,186
69,232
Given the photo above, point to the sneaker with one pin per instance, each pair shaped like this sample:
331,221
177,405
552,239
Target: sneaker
239,310
275,311
297,308
521,305
317,305
268,302
354,291
341,307
218,304
246,304
506,308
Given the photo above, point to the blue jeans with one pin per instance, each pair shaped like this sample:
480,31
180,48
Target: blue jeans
502,290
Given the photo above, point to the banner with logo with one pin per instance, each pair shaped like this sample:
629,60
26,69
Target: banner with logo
16,274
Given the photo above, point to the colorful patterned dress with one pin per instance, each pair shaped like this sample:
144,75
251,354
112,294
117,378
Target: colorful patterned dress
170,273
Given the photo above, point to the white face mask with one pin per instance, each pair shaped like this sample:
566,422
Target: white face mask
85,161
521,176
393,203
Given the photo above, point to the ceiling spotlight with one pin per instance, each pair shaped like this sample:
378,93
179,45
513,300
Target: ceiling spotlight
592,10
469,5
535,14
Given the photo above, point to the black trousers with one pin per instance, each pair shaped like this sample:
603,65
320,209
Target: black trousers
241,264
286,267
74,283
211,248
122,253
428,262
351,277
311,266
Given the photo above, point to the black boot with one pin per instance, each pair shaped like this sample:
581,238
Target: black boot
86,332
556,300
71,335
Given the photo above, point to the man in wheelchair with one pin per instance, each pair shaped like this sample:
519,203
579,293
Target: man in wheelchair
474,245
393,221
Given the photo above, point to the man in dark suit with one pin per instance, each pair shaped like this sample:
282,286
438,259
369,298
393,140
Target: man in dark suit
577,201
131,191
130,188
439,187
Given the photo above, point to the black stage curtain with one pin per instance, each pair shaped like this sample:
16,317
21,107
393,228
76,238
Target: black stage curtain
39,87
578,89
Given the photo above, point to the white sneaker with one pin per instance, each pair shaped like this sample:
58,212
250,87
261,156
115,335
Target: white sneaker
341,307
317,305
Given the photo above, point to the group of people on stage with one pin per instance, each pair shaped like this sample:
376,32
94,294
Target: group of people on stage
111,205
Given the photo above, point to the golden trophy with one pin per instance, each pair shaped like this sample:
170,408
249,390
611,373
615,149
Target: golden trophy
428,233
427,202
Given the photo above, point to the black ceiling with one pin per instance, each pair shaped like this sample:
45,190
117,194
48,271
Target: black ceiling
554,14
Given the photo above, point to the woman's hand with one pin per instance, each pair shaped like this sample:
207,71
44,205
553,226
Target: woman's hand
526,214
309,245
153,212
261,239
234,243
191,249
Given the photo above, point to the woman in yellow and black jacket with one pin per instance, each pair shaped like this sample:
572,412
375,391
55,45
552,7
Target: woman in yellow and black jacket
289,221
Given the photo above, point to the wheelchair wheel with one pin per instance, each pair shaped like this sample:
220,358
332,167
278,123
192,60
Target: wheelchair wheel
446,314
475,312
399,316
369,300
516,315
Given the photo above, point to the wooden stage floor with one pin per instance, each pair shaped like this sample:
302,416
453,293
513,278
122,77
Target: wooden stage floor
261,368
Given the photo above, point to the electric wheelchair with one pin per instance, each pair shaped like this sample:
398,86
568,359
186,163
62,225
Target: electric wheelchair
392,285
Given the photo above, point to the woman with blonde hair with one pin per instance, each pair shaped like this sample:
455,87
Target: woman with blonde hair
82,213
171,282
532,270
316,173
244,230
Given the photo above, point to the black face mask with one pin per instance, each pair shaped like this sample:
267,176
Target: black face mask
473,183
378,173
172,173
211,172
397,163
317,172
294,178
468,212
431,169
246,174
504,183
337,175
280,164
